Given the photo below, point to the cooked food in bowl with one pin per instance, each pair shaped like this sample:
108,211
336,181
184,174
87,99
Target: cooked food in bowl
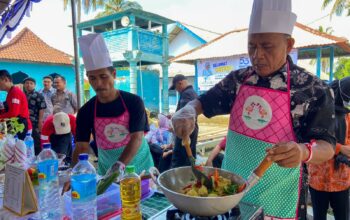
221,187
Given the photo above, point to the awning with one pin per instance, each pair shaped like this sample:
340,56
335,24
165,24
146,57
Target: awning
11,14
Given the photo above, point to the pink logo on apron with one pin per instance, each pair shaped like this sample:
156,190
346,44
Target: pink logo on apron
112,132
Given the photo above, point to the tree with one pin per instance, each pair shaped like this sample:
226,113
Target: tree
115,6
84,5
343,68
339,6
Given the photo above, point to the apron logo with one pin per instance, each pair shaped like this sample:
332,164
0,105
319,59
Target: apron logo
115,133
257,112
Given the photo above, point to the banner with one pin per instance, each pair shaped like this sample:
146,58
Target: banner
212,71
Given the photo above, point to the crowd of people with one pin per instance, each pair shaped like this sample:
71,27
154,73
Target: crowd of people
48,114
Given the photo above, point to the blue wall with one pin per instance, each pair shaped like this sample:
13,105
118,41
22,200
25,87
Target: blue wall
38,71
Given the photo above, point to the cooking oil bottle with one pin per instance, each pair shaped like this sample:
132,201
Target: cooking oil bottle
130,190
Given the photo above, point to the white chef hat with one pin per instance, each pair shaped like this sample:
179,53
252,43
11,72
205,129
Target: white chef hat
94,51
272,16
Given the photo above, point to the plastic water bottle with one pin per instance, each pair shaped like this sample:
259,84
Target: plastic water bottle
29,141
130,190
83,183
49,197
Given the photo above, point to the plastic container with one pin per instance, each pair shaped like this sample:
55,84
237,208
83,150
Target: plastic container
83,183
130,192
29,141
145,188
108,202
49,197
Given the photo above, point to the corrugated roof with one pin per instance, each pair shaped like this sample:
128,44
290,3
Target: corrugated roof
28,47
235,43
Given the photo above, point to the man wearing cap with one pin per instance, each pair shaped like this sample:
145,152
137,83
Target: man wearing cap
58,130
277,110
47,92
116,119
187,94
36,106
16,103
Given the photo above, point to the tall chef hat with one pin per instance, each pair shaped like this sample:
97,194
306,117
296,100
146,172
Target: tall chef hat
94,51
272,16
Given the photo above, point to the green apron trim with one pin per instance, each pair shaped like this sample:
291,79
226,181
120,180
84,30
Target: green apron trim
142,160
277,191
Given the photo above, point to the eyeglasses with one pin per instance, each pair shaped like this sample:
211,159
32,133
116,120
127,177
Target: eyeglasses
346,104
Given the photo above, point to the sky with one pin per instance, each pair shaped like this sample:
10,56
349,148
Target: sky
51,23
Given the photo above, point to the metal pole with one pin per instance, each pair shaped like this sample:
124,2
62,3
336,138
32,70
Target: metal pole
76,55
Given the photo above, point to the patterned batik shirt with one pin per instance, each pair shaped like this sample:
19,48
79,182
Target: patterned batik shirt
312,106
36,102
312,101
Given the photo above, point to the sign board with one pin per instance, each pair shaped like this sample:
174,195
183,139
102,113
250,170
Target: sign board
212,71
19,195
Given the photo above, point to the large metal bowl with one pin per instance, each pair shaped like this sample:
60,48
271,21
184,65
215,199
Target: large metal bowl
172,181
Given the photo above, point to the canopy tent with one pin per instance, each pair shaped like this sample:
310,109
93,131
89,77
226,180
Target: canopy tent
11,14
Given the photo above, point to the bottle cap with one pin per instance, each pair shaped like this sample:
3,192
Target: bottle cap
130,169
83,156
47,146
28,134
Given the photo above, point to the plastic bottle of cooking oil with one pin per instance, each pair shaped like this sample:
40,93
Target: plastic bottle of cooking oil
130,190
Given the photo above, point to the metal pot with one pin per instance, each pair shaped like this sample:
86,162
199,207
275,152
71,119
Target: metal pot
172,181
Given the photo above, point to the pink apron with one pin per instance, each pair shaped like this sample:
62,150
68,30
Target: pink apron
112,135
260,118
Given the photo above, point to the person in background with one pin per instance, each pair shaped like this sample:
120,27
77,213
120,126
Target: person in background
187,94
160,141
47,92
16,104
330,181
64,98
58,129
215,157
36,106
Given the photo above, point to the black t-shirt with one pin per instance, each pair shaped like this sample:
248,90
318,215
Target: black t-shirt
85,118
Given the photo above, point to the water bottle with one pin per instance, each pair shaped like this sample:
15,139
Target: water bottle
29,141
130,190
83,183
49,197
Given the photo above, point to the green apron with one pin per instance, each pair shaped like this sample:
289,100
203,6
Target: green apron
260,118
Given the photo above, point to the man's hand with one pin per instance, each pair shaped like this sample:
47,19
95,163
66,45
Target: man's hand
345,149
209,163
183,121
287,154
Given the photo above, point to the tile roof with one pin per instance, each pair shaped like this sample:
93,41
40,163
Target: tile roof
235,43
28,47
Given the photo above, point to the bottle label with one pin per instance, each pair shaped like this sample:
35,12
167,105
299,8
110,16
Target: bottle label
48,170
83,187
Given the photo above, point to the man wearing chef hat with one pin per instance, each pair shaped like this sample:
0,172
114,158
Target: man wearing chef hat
276,109
116,119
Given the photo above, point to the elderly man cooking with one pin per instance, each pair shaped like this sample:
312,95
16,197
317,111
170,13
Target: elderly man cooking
276,109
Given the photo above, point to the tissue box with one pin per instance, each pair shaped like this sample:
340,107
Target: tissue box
108,202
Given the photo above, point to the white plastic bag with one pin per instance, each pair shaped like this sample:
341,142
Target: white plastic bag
183,121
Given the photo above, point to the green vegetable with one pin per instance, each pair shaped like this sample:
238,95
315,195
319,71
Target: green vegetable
231,189
103,184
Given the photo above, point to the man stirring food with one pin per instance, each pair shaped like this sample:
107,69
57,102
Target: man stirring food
277,109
